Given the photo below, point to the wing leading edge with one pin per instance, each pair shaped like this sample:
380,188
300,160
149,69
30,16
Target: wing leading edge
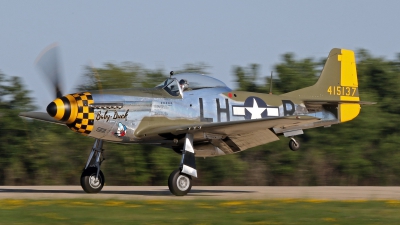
42,116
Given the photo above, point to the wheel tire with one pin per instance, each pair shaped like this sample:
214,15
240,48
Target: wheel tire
88,180
179,183
293,146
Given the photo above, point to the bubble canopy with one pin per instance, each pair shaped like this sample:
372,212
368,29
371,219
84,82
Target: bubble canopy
196,81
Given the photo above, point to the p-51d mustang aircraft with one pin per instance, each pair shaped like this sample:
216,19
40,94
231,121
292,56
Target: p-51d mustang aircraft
199,116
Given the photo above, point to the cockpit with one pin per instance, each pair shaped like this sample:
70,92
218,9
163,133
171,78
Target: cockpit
171,86
193,81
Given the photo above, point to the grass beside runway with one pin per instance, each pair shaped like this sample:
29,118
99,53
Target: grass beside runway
285,211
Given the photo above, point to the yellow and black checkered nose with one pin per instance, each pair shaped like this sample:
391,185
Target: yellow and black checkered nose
75,111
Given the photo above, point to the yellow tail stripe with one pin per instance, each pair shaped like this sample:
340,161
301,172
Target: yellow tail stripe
348,69
348,111
349,98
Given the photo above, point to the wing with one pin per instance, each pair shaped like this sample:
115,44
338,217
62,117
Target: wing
42,116
230,136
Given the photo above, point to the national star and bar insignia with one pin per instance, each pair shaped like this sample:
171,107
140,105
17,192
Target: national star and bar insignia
255,108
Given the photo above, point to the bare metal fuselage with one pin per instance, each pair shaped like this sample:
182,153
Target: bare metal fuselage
210,105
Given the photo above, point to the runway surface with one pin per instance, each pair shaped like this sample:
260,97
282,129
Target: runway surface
203,192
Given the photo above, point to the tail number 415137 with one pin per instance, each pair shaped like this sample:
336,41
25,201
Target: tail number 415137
341,90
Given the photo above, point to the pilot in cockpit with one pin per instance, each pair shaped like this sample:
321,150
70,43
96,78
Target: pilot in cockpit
183,84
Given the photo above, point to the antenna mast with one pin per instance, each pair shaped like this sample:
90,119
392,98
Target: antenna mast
270,85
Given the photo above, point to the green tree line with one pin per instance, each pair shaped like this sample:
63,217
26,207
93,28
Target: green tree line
360,152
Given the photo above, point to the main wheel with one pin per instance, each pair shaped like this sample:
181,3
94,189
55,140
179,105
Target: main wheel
179,183
294,145
89,182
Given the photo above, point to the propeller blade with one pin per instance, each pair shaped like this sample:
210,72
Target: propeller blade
48,63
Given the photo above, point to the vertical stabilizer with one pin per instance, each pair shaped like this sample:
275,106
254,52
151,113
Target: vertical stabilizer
337,83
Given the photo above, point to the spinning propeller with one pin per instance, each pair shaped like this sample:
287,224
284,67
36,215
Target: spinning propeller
48,63
73,109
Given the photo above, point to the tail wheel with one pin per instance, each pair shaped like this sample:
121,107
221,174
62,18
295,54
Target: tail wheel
294,145
179,183
90,183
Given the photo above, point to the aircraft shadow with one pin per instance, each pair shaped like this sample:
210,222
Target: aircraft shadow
161,192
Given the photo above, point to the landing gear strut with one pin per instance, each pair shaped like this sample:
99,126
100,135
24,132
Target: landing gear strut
92,179
293,144
180,180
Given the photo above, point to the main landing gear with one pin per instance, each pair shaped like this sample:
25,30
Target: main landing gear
294,145
180,180
92,179
179,183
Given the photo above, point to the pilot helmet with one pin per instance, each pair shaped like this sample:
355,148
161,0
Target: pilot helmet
184,84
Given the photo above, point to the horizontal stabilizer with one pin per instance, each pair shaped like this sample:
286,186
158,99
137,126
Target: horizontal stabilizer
317,102
40,116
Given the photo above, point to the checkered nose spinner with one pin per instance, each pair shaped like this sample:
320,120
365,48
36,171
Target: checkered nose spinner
75,111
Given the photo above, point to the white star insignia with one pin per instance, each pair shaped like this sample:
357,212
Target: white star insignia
255,110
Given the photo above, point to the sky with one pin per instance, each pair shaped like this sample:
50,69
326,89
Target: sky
168,34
